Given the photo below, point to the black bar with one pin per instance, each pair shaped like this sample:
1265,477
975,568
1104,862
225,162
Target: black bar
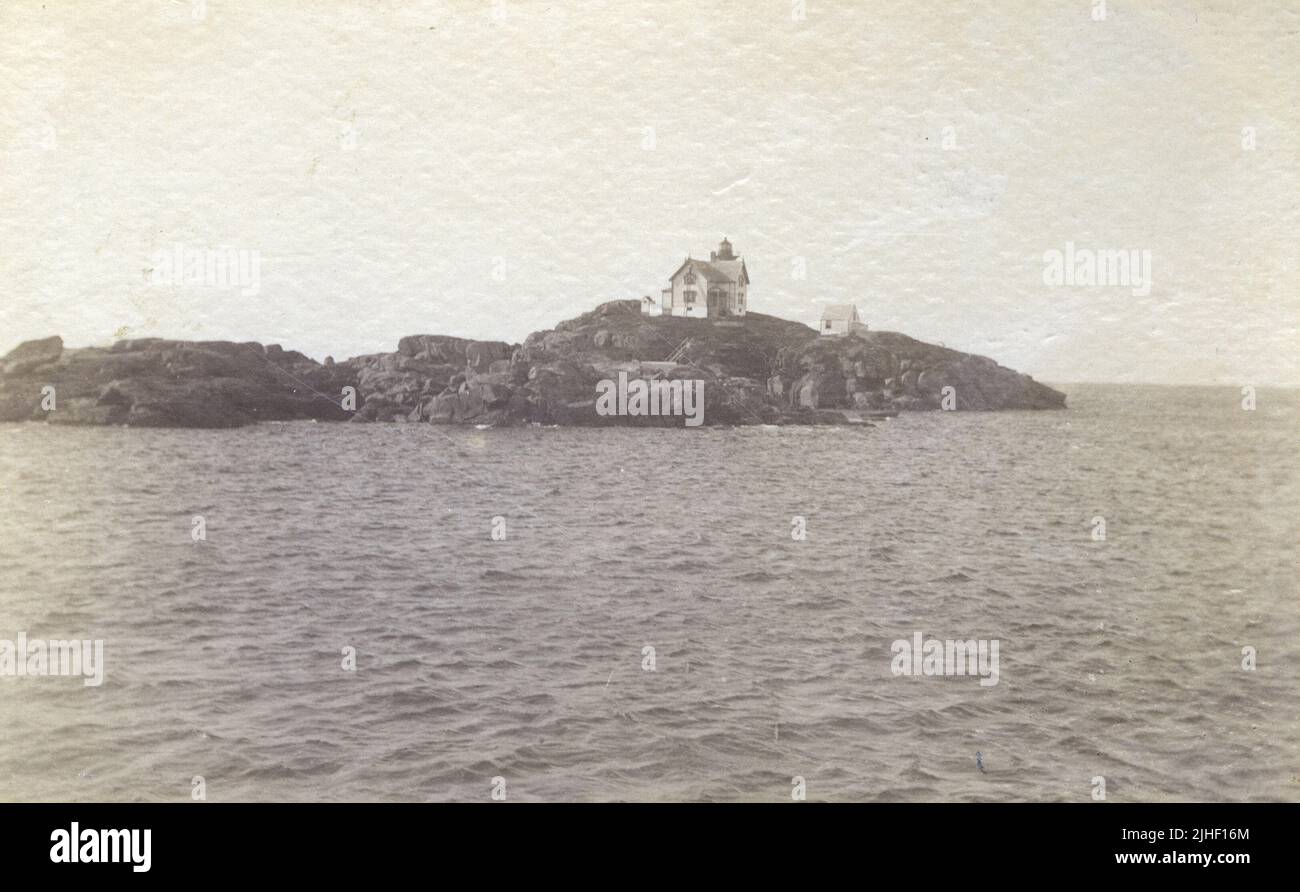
655,844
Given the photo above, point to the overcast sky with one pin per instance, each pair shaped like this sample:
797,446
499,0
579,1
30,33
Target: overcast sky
486,170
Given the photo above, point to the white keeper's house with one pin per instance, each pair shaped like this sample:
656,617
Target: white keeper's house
705,289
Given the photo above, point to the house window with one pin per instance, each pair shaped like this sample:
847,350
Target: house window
689,296
690,279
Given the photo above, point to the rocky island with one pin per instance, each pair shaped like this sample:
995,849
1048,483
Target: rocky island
757,370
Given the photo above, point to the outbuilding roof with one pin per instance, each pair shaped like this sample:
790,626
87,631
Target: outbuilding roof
840,313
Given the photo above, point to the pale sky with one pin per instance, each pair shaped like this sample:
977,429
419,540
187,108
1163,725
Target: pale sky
486,170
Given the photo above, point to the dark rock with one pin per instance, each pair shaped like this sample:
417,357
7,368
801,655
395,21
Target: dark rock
437,348
20,404
159,382
31,355
113,394
85,411
479,355
757,370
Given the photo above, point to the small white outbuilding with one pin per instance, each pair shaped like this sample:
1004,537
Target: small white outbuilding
841,319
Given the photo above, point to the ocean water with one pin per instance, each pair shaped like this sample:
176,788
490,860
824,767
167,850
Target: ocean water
522,658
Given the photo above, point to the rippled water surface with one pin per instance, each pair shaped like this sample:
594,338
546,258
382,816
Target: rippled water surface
523,658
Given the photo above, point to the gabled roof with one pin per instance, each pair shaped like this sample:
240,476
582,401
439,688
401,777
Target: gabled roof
733,269
723,272
840,313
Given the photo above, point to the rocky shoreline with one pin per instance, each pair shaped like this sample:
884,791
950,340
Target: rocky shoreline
756,370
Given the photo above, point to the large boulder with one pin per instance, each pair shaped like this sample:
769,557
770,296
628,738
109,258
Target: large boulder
167,383
438,348
820,389
479,355
31,355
